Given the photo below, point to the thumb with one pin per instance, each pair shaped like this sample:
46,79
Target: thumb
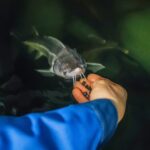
93,77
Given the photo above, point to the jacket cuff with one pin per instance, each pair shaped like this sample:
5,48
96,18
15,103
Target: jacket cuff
107,115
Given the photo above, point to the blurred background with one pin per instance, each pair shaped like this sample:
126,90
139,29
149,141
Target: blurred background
112,32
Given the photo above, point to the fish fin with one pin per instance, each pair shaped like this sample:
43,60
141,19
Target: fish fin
15,35
39,48
94,67
35,31
56,42
45,72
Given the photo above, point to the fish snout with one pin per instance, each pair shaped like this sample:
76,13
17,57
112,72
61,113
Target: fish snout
77,72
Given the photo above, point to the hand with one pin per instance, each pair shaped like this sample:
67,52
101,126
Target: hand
101,88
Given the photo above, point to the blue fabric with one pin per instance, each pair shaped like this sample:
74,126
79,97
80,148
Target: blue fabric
76,127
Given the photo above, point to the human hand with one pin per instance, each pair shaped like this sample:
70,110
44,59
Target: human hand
101,88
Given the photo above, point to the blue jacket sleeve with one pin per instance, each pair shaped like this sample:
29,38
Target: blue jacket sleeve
76,127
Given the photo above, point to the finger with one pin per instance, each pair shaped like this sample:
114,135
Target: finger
81,87
93,77
77,94
85,81
86,84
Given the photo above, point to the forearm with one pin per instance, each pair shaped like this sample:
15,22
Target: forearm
83,126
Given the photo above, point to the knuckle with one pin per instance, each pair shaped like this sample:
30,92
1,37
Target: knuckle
102,82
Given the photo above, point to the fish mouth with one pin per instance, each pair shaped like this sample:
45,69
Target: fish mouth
77,72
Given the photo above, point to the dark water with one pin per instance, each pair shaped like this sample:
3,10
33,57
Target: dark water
93,28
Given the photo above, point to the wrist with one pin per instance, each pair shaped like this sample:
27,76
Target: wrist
120,107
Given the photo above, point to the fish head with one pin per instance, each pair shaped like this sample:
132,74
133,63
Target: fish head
69,65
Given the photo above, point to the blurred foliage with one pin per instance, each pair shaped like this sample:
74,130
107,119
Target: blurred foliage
112,32
134,33
48,16
126,6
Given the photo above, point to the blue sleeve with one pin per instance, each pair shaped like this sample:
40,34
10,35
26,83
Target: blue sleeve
76,127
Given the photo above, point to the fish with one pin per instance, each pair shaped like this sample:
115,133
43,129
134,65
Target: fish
63,61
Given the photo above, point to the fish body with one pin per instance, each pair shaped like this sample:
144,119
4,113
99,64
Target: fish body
63,61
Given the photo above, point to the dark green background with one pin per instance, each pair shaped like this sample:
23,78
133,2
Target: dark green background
112,32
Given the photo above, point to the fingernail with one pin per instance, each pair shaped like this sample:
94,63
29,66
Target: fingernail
88,87
85,94
83,83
